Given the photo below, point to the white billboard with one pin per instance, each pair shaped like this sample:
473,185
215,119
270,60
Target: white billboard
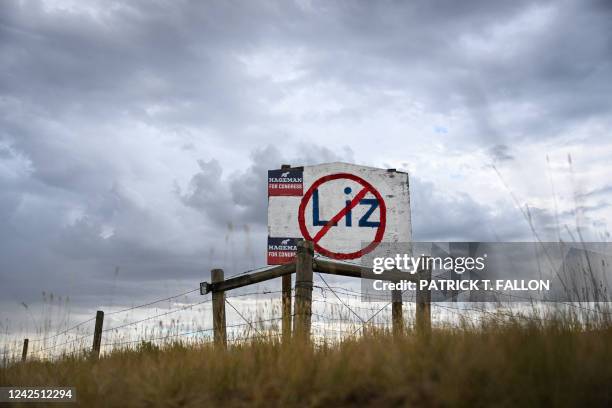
345,209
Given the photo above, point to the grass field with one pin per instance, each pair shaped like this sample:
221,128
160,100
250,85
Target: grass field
511,363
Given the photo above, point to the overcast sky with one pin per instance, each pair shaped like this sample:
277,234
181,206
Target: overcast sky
137,135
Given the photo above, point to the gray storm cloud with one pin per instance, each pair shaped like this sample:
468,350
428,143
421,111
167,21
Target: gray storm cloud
139,134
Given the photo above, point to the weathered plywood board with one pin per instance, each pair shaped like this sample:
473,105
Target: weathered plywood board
368,205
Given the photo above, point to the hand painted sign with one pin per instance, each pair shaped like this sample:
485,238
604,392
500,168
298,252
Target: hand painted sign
345,209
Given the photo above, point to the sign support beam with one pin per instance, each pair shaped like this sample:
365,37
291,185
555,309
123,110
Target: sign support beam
303,290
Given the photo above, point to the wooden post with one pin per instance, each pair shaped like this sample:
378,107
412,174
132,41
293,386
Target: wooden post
286,295
397,315
218,305
423,303
97,339
303,290
286,307
24,352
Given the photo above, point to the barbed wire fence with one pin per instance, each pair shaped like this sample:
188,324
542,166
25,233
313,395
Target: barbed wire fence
338,313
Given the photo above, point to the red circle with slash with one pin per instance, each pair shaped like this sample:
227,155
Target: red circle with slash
367,188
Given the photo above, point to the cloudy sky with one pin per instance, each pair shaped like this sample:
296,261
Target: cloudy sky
135,136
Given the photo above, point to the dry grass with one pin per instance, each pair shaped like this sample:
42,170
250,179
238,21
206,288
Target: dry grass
496,364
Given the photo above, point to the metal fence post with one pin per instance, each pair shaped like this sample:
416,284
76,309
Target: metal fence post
97,339
303,290
24,352
218,305
286,307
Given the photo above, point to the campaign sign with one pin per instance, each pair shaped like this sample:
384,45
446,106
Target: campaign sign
345,210
281,250
285,182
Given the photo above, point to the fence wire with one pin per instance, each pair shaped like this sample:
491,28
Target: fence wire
338,312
